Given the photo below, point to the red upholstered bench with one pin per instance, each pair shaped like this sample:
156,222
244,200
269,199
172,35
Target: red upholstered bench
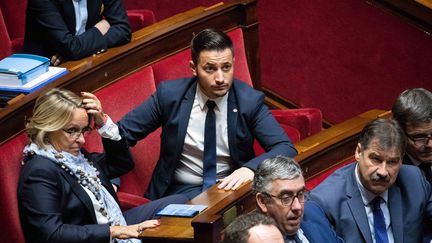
117,99
10,166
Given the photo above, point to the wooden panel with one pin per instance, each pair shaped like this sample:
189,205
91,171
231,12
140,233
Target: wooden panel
148,46
416,12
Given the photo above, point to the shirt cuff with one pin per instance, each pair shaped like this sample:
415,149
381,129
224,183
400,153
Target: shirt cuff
110,130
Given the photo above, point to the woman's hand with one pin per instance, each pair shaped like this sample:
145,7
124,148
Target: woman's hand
93,106
132,231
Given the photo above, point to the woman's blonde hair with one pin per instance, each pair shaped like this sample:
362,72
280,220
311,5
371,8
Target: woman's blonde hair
53,111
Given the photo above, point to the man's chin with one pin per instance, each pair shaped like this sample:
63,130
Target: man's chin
220,93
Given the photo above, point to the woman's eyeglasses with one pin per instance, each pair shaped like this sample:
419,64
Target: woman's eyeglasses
76,133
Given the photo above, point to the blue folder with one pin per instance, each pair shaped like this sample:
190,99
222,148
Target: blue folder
22,68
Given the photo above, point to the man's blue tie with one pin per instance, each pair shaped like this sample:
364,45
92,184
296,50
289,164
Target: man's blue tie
379,222
293,238
209,160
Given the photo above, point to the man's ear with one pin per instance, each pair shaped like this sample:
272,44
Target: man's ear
357,152
261,203
193,68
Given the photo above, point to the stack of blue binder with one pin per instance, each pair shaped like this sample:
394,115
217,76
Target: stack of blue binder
24,73
19,69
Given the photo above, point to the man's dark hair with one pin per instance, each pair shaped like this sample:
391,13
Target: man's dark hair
210,40
238,230
413,106
387,131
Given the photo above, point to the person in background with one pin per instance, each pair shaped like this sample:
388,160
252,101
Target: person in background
73,29
253,227
413,111
377,199
209,124
280,193
64,192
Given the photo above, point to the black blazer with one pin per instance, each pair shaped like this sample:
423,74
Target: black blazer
53,207
50,28
170,108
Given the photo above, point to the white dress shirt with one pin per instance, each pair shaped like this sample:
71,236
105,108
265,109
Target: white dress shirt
81,16
190,169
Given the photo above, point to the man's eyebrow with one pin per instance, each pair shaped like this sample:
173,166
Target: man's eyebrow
291,192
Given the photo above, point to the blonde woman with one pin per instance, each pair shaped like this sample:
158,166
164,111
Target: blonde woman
64,192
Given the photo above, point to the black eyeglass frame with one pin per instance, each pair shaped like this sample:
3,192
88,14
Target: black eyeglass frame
75,134
301,196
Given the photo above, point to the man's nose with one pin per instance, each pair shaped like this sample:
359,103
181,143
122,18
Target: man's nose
296,205
219,76
382,169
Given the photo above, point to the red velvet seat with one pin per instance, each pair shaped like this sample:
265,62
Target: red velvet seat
5,44
117,99
10,166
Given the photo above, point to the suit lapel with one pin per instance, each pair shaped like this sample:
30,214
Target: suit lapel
356,207
232,123
94,11
184,112
69,15
81,194
395,209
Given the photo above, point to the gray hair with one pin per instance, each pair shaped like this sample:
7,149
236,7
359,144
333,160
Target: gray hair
413,106
280,167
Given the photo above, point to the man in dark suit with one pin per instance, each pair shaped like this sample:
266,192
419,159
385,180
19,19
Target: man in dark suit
413,111
377,199
191,161
73,29
280,193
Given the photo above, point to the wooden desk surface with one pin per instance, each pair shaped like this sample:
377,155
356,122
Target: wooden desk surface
218,202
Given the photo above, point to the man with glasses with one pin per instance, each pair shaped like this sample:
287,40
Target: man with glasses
280,193
377,199
413,111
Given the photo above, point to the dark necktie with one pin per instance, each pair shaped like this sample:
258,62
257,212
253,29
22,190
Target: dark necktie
379,222
209,160
293,238
426,168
